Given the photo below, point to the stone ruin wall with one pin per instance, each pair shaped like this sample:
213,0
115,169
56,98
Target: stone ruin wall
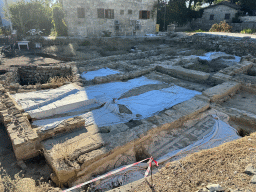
239,46
32,78
31,75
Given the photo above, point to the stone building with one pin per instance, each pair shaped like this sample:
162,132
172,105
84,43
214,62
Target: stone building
93,18
216,13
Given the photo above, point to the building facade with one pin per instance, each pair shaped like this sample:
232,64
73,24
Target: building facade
223,11
94,18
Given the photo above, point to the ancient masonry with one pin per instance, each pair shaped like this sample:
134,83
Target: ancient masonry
98,149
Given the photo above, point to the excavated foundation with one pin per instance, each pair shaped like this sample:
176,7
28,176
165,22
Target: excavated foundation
124,109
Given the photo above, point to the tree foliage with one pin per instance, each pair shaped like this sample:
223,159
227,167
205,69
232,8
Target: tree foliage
60,26
35,14
183,11
177,11
247,5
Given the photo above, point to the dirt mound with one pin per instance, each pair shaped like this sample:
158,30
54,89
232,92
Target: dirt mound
222,165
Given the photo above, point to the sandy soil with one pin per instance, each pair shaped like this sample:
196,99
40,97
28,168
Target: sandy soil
24,57
222,165
37,168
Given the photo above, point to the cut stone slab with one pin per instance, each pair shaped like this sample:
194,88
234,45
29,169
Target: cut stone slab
239,68
192,107
65,126
67,147
219,78
220,91
183,73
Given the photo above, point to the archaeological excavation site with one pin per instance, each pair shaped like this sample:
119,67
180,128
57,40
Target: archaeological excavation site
166,97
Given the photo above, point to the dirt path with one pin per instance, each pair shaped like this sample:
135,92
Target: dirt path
25,58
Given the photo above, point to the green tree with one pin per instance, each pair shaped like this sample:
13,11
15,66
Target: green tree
58,21
35,14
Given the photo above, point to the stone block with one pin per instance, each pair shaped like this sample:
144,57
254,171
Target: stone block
65,126
220,91
192,107
187,74
219,78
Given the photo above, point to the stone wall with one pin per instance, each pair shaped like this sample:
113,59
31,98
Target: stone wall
248,18
31,75
206,26
123,22
25,140
219,14
239,46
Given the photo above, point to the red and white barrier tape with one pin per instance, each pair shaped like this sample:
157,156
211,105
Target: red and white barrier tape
149,165
114,172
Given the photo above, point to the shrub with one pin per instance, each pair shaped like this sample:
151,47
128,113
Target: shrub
248,31
199,30
221,27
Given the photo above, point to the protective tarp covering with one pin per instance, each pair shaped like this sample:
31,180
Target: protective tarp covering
106,115
99,104
221,133
214,55
145,105
151,102
33,100
42,104
98,73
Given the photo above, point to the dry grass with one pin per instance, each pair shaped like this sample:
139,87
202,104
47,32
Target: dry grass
222,165
58,80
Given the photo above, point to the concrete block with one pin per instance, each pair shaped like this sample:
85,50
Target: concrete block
220,91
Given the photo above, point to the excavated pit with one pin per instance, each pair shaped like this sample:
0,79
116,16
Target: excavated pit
83,138
32,75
